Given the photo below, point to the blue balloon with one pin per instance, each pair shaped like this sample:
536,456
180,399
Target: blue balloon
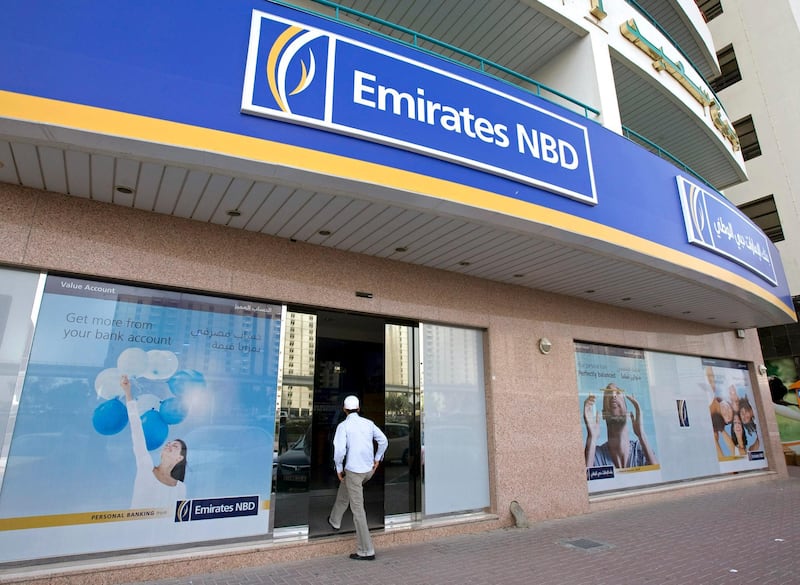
110,417
155,429
173,410
184,380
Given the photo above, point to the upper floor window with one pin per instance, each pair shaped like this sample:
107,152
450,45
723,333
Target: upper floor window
764,214
729,68
710,8
748,140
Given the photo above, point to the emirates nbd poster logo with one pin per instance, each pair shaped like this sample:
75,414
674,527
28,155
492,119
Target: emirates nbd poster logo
302,73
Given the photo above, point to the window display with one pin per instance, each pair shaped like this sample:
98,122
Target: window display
146,418
651,417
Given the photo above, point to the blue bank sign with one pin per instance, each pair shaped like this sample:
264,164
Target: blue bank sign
713,223
306,75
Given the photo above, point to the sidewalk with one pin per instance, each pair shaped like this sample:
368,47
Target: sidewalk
748,534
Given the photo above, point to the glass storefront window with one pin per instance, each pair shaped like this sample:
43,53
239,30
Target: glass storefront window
17,296
145,418
652,417
454,443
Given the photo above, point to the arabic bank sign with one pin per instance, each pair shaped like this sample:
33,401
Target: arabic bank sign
310,76
713,223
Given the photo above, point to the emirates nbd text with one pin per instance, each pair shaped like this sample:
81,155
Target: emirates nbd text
369,93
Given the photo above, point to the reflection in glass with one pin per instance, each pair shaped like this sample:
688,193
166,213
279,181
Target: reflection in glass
17,294
292,449
402,415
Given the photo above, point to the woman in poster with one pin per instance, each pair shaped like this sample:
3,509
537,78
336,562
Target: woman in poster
620,450
157,486
721,411
749,424
721,418
738,436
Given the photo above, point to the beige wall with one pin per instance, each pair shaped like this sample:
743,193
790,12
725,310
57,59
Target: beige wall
536,450
764,35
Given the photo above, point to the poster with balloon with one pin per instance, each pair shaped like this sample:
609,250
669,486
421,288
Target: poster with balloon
146,418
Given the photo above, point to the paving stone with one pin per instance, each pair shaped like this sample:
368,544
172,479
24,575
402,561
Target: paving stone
737,536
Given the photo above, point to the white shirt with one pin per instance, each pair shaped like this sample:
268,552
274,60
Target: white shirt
148,492
353,438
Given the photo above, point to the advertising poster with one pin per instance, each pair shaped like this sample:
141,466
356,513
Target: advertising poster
618,428
652,417
681,398
145,418
734,420
784,388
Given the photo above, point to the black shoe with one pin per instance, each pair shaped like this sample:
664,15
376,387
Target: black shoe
332,526
358,557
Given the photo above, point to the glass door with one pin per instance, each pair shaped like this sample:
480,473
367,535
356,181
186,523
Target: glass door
350,360
402,406
328,355
292,450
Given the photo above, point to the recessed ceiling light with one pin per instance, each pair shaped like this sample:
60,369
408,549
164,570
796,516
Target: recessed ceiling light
401,249
464,263
324,232
123,189
590,291
686,312
234,212
519,275
626,298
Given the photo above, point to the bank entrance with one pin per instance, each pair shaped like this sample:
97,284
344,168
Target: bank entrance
327,355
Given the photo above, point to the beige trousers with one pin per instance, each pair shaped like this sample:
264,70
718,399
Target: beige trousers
351,493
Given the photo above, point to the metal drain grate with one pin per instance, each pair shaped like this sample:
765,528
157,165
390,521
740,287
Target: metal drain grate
585,544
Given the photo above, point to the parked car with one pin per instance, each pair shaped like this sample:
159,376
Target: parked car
294,465
398,435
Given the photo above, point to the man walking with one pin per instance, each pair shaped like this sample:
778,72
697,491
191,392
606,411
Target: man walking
353,440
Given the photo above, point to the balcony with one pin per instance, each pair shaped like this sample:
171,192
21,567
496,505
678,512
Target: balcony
531,38
663,95
681,21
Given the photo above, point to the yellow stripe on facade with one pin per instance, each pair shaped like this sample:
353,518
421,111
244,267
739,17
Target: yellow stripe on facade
102,121
639,468
49,521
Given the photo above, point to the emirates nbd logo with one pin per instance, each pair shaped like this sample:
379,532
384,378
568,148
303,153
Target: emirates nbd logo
301,70
287,75
715,224
283,56
213,508
695,213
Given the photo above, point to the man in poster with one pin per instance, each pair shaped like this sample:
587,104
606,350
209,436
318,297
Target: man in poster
619,450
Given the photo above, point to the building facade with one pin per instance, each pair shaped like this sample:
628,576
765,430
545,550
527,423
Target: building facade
500,224
760,99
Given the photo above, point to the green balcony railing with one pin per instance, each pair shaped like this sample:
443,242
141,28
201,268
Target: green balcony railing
656,149
483,65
